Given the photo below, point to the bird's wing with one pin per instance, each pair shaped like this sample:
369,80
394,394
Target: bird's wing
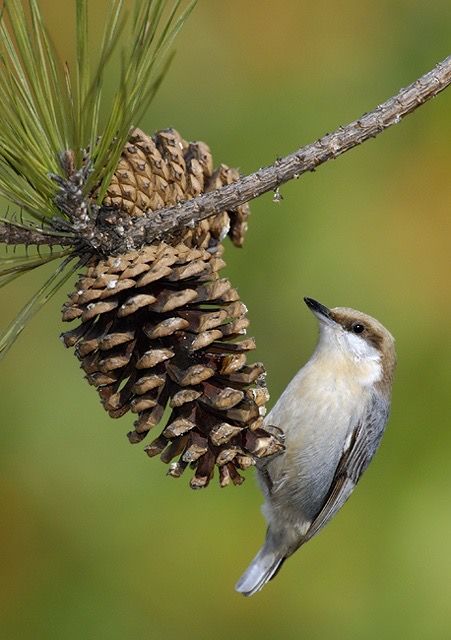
362,446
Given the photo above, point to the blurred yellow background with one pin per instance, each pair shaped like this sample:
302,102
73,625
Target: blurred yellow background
96,541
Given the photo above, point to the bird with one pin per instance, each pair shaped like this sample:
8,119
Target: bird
332,414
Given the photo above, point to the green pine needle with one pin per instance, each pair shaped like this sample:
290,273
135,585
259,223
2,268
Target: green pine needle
143,70
12,267
47,107
49,288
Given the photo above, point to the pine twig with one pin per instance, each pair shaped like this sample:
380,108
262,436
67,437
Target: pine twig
294,165
13,234
158,224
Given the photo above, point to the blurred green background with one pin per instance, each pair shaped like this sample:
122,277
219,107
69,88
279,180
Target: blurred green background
96,541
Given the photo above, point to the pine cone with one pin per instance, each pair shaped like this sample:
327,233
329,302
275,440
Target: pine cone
160,171
160,327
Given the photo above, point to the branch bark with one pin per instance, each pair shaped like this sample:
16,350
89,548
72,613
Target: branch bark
167,221
294,165
13,234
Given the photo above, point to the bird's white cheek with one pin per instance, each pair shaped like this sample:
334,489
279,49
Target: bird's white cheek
370,371
366,357
358,346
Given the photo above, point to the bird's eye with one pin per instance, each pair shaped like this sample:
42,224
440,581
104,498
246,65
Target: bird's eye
358,328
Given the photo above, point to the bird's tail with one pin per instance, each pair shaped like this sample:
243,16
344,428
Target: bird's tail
262,568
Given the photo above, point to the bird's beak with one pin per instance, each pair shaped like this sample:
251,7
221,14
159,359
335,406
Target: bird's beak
320,311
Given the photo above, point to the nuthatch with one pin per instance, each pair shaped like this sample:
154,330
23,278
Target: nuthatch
333,414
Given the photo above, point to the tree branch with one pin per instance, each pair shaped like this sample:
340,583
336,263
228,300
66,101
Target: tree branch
14,234
133,233
294,165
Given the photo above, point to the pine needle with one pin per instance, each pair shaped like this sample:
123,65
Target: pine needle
143,71
47,107
12,267
50,287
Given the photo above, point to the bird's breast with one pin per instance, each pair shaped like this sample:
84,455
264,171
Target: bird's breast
321,399
317,412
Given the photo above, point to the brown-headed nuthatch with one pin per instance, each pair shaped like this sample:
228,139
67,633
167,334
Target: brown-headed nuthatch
333,414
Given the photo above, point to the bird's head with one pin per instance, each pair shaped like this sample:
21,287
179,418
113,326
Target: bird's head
356,335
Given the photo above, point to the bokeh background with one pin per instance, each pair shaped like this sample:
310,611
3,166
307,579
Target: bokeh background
96,541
